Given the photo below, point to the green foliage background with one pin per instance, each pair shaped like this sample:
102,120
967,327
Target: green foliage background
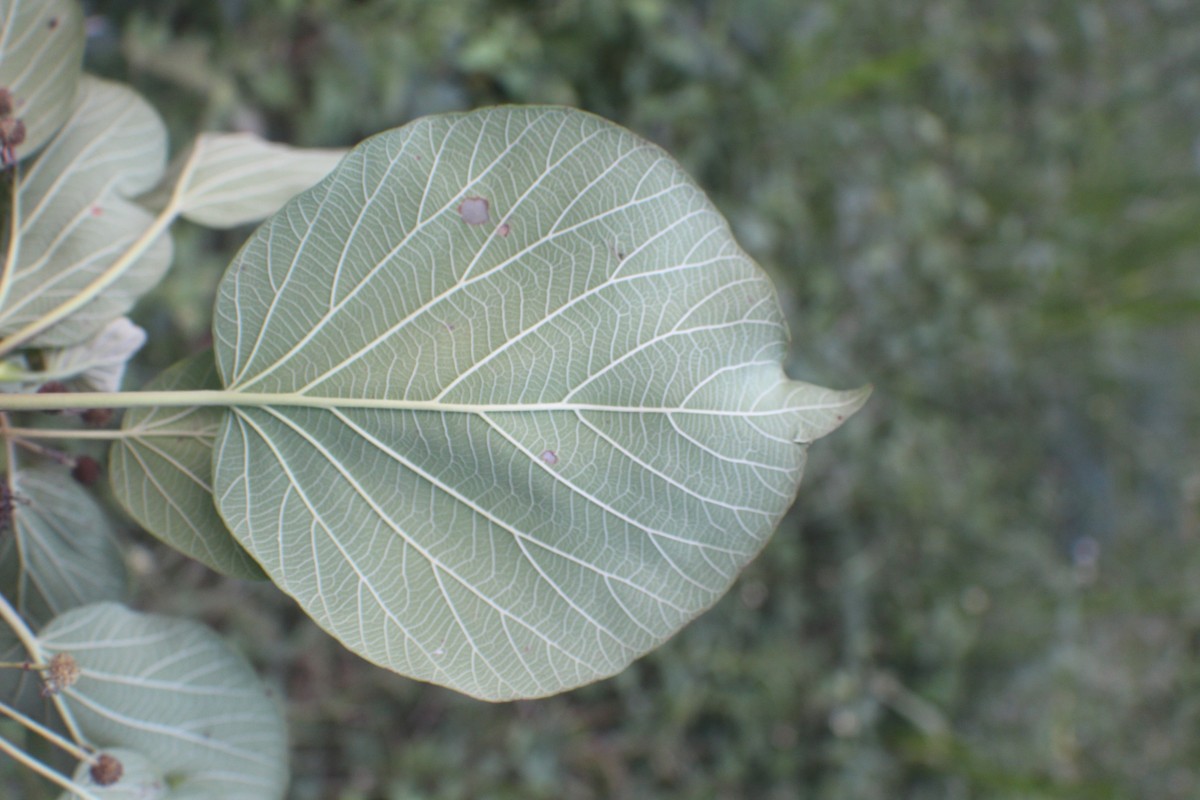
991,211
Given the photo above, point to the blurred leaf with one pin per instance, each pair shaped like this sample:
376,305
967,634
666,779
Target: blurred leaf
161,472
63,552
174,691
41,52
230,179
525,412
98,364
74,218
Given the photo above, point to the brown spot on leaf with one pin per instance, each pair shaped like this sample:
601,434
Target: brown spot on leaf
549,457
97,211
6,102
503,230
52,23
474,210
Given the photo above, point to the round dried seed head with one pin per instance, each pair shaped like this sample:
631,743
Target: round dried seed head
86,471
107,770
64,670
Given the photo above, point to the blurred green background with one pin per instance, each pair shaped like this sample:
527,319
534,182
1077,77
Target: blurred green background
990,584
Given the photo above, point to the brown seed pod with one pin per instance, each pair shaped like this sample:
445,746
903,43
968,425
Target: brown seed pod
107,770
97,417
86,471
12,131
64,670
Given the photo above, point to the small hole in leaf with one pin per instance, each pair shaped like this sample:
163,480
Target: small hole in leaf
549,457
474,210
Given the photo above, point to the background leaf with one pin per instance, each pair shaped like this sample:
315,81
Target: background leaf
173,690
63,550
98,364
41,52
161,472
618,438
74,216
230,179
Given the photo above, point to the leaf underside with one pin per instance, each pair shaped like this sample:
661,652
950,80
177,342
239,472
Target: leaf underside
41,52
173,691
63,550
75,216
537,419
161,472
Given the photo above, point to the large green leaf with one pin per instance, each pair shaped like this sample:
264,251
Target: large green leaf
173,690
41,50
62,552
161,472
229,179
522,414
75,218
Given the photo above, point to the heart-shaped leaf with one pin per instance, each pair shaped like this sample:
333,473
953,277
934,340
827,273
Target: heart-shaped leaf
62,552
161,471
41,50
513,407
74,220
173,691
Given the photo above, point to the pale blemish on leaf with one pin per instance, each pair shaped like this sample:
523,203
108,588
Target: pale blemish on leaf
474,210
503,230
549,457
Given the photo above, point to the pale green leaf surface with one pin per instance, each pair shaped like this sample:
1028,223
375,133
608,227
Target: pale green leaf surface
229,179
535,415
63,550
41,54
98,364
174,691
140,779
75,218
161,472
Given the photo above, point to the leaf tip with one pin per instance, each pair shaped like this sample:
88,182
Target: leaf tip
831,412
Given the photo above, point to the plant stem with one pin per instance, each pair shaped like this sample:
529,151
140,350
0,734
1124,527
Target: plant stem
46,772
14,239
94,288
104,435
47,452
28,639
232,398
34,649
51,736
